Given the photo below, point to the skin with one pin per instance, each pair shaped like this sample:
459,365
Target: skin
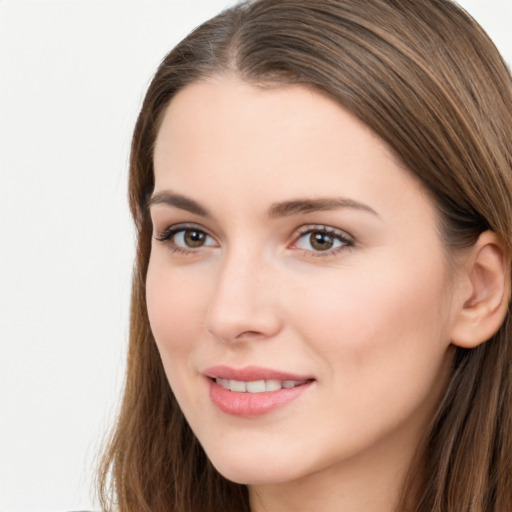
371,322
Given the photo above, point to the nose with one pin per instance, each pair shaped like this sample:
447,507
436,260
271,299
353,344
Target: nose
244,303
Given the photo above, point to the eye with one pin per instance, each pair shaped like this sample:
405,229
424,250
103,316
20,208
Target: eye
192,238
184,239
322,240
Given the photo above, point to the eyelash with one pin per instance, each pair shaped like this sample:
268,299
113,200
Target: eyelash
345,240
167,237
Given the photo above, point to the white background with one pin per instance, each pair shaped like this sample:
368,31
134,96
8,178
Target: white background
72,77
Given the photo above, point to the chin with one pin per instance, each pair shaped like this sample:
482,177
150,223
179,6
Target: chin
252,469
253,475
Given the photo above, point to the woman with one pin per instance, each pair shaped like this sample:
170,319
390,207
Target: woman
320,315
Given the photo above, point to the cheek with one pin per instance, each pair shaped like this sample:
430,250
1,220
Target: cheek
176,305
176,302
378,329
382,345
362,309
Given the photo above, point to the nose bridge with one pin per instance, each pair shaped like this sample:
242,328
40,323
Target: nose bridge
242,303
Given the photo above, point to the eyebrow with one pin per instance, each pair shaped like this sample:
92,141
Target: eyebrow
301,206
276,210
178,201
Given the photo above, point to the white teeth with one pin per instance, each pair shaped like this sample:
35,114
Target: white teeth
223,382
257,386
238,385
272,385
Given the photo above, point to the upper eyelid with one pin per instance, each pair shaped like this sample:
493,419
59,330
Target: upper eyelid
323,227
173,229
183,226
167,224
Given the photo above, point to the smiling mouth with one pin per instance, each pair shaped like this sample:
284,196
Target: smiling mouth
257,386
253,397
254,390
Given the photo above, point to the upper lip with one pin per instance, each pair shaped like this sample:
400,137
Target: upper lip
252,373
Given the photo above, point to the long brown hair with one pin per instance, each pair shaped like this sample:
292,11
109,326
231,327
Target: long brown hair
423,76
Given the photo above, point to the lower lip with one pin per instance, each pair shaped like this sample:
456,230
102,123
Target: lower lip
252,404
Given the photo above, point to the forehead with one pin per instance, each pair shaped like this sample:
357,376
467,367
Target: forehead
258,142
227,101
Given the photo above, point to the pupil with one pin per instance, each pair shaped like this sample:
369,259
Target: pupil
321,241
194,238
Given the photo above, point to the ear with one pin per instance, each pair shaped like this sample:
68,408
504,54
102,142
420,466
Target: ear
485,292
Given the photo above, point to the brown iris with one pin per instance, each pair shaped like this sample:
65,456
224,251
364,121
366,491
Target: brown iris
321,241
194,238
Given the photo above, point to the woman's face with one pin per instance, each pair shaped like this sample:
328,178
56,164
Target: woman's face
292,251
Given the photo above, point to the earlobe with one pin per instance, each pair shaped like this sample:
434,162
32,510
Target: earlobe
485,304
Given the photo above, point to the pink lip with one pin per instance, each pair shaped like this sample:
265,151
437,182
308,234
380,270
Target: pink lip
251,373
252,404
